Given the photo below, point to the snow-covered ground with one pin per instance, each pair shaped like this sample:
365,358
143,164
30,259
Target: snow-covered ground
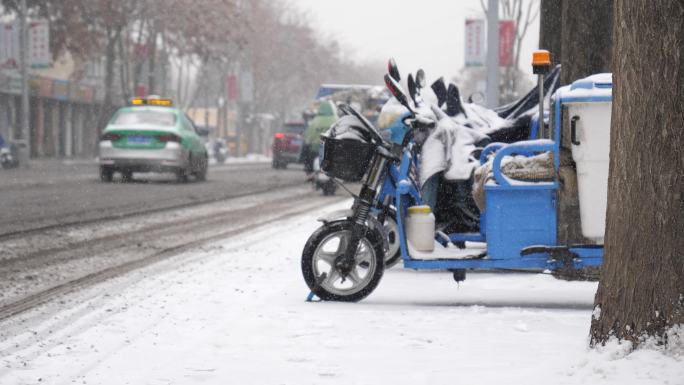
234,313
249,158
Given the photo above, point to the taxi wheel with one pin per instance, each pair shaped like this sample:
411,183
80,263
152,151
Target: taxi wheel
106,174
200,172
182,175
126,176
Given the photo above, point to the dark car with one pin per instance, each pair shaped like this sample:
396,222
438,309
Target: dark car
287,144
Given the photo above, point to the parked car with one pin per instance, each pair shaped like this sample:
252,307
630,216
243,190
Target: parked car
287,144
151,135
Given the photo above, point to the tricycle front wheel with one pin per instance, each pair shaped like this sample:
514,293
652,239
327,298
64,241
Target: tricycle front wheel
328,244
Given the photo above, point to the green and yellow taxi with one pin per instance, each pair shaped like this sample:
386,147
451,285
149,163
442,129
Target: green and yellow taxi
151,135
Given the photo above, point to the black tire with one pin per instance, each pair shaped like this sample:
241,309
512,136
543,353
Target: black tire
329,188
373,262
8,163
391,228
200,172
126,176
278,164
106,174
181,175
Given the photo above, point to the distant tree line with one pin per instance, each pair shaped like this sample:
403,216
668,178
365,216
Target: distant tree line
176,46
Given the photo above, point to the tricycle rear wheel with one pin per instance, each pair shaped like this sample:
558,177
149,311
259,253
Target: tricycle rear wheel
392,230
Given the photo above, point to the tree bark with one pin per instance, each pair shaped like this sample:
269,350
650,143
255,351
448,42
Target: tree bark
113,35
550,25
641,291
586,49
152,62
586,41
124,77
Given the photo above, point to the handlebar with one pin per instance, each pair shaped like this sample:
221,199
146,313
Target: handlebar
419,122
416,122
368,126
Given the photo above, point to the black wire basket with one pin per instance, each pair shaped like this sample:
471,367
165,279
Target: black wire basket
346,159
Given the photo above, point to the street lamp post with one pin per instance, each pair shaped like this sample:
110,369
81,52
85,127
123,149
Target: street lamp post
493,54
23,57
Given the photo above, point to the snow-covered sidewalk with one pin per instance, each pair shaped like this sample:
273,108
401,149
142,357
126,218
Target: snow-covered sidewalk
234,313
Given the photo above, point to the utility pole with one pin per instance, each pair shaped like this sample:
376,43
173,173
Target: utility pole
23,57
493,54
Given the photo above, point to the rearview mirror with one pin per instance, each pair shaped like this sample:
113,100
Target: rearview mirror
420,79
454,104
440,90
477,98
203,131
411,88
395,89
392,70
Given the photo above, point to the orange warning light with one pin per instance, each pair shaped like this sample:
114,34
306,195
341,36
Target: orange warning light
541,58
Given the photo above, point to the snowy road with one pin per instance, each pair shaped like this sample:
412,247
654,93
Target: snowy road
40,264
233,312
51,194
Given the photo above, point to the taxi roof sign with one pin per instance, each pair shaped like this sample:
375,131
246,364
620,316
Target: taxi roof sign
151,101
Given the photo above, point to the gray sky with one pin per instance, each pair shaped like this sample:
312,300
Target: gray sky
426,33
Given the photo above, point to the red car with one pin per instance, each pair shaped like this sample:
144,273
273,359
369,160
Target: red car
287,144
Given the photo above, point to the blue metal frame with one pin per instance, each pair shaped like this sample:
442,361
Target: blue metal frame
527,148
402,187
395,175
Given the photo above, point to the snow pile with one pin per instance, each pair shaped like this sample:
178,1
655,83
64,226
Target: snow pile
675,343
594,86
617,362
249,158
348,127
481,118
448,149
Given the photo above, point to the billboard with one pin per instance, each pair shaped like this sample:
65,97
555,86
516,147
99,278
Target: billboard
9,45
474,42
38,44
246,87
232,88
506,41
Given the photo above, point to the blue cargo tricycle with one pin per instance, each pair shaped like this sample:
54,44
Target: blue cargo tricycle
345,258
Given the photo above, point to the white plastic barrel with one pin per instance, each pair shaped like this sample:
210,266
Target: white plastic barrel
588,102
420,228
591,154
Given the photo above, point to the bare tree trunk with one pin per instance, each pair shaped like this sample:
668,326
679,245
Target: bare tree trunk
520,32
513,10
642,283
586,49
124,74
180,98
586,38
138,58
110,57
201,78
164,65
550,25
152,62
